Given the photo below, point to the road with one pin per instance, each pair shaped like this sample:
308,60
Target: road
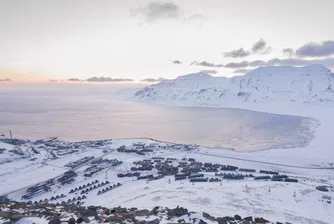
268,163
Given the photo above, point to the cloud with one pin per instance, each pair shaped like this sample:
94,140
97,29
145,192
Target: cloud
314,49
195,17
288,52
242,64
158,11
5,80
177,62
261,47
53,80
153,80
257,63
242,71
329,62
74,80
240,53
209,71
107,79
207,64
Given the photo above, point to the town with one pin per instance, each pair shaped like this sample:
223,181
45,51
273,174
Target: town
84,173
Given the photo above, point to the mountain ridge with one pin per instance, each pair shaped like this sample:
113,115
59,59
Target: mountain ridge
312,83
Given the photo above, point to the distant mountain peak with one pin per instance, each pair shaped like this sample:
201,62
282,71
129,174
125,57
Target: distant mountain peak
311,69
274,83
195,76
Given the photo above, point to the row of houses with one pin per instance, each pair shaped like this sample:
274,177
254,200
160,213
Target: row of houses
149,176
83,186
76,199
285,179
106,162
79,162
38,189
135,174
269,172
86,190
108,188
92,170
68,177
231,176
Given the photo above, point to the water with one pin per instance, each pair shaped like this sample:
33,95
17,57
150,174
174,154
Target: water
87,112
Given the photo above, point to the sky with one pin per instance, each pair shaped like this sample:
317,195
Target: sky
138,39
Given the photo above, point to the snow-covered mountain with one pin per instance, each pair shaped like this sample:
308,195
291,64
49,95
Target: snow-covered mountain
307,84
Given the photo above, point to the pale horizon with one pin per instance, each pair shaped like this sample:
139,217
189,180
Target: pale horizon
59,40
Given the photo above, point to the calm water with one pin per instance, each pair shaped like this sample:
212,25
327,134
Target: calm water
87,112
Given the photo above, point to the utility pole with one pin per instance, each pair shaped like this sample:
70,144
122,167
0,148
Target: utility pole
11,137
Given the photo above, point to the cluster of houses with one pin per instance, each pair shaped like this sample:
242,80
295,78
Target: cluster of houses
233,176
278,177
149,177
38,189
200,179
269,172
264,177
83,186
129,174
76,199
47,200
67,178
53,198
79,162
144,165
193,171
141,148
286,180
90,171
63,152
108,189
247,170
18,151
107,162
88,189
138,148
99,165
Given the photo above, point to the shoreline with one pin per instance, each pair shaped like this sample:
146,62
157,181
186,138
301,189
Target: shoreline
203,150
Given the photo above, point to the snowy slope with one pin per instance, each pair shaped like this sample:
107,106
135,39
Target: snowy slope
307,84
228,197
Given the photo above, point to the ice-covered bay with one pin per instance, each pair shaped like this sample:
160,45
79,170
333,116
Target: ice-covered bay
86,112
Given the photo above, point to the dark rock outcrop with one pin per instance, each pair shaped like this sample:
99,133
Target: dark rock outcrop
248,218
55,220
260,220
177,212
155,221
208,216
71,221
237,217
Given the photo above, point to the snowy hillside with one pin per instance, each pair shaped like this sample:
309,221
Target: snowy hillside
307,84
144,173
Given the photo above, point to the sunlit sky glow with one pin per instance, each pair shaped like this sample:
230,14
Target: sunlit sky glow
140,39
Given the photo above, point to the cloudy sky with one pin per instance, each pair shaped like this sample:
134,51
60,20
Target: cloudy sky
140,38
